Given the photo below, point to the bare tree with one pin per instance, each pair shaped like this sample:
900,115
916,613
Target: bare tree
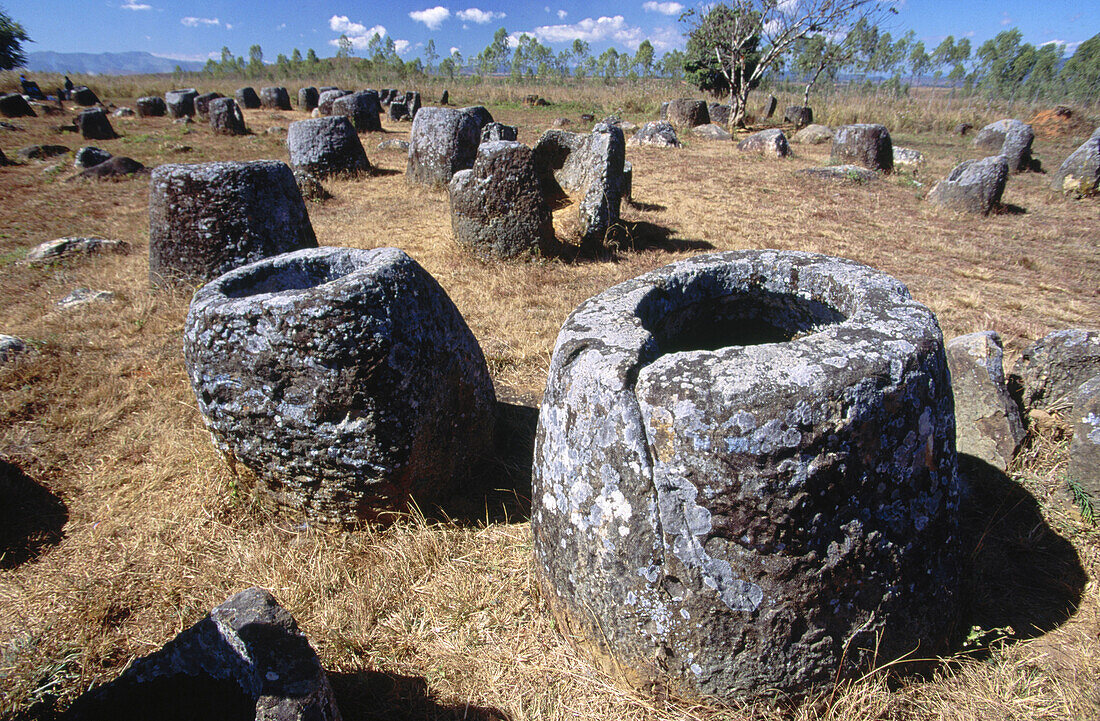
775,27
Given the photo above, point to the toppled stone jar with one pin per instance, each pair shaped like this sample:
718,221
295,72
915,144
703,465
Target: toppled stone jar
745,476
345,380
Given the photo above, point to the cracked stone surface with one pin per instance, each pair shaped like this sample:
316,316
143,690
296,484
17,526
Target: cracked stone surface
275,98
1084,449
1080,172
226,117
1050,370
659,133
686,113
767,142
864,144
1010,138
361,109
181,103
973,186
151,106
987,420
442,142
345,380
54,250
744,466
326,146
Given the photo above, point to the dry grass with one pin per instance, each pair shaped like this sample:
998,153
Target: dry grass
440,618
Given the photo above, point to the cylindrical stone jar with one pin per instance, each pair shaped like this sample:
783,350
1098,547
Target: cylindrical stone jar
346,380
745,476
209,218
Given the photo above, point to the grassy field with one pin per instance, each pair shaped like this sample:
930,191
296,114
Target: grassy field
142,528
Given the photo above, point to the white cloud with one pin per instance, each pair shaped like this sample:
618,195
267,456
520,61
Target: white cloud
455,50
359,35
562,14
342,24
589,30
228,26
666,38
401,46
195,22
432,17
1068,47
1005,19
669,8
473,15
131,5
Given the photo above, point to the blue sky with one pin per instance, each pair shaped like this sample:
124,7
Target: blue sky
198,29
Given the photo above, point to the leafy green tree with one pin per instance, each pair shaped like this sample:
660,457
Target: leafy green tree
296,61
722,50
643,58
671,64
343,47
919,61
447,68
255,61
1081,74
1003,63
430,55
494,55
12,37
608,63
1043,79
816,56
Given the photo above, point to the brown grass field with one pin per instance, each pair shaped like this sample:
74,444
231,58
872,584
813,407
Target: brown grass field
130,527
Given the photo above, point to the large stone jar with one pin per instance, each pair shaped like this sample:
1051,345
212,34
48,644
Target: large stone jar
345,380
745,476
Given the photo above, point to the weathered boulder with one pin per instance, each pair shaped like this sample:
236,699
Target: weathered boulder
275,98
412,100
41,152
382,393
744,479
662,111
442,142
445,98
247,98
1010,138
719,113
497,208
90,155
908,158
1084,449
1080,173
309,186
81,297
962,128
54,250
394,144
974,186
658,133
226,118
685,113
115,167
202,104
4,160
865,144
181,103
327,97
361,109
398,111
992,136
83,95
800,115
123,112
589,165
326,146
840,173
14,105
151,106
307,98
498,131
11,348
987,420
209,218
767,142
246,659
94,124
813,134
769,107
711,131
1051,369
479,113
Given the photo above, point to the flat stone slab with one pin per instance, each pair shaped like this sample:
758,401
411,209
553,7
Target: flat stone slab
84,296
54,250
988,424
840,173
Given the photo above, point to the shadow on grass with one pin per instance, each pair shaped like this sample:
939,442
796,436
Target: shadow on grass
377,696
1010,209
629,236
31,517
1021,579
377,172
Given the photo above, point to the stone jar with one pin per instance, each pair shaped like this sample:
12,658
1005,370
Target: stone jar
745,476
345,380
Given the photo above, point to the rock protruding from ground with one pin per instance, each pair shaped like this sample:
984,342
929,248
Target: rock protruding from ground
94,124
800,115
181,103
207,219
310,186
11,348
768,109
719,113
123,112
326,146
1010,138
658,133
686,113
398,111
590,166
83,95
770,142
246,659
987,419
394,144
226,118
14,105
1084,449
307,98
116,167
497,207
55,250
864,144
41,152
247,98
383,396
361,109
962,129
327,97
202,104
151,106
1050,370
974,186
701,494
275,98
1080,173
81,297
442,142
840,173
908,158
711,131
813,134
89,156
498,131
412,100
445,98
4,160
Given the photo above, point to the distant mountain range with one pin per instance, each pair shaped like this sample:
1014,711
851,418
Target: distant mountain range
132,63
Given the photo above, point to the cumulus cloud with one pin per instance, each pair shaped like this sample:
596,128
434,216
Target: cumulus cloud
455,50
131,5
562,14
669,8
401,46
474,15
1069,47
432,17
357,33
343,24
195,22
589,30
